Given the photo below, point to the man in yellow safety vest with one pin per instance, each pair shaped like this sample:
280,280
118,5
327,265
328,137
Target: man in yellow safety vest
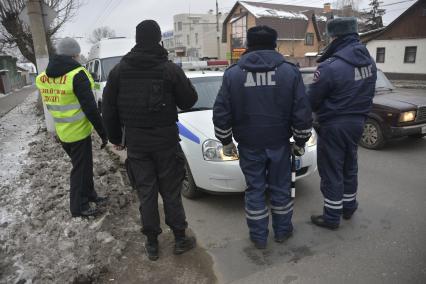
66,89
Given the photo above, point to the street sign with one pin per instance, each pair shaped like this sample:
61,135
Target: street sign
48,15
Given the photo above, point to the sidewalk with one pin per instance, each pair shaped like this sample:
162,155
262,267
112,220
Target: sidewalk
409,84
13,99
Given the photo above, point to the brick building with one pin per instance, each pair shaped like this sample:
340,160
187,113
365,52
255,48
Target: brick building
301,30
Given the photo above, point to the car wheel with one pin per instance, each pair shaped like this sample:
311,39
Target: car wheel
189,189
419,135
372,137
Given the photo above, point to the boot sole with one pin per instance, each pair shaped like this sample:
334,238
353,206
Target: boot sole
284,238
181,251
333,228
153,258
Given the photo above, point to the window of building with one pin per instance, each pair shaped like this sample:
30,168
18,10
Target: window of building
309,39
196,38
410,54
179,26
238,34
187,40
380,55
175,26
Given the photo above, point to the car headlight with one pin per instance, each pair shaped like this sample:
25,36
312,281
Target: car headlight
213,151
407,116
313,140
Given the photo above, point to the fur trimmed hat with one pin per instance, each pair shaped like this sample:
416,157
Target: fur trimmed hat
262,36
68,47
148,32
342,26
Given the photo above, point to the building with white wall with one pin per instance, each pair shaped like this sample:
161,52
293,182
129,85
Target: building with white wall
400,48
400,57
196,36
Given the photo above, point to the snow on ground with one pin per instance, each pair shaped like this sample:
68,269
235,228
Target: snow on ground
39,241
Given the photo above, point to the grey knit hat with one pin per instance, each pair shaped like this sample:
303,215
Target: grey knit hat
342,26
68,46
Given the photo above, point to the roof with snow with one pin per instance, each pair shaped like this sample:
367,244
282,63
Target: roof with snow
289,21
272,12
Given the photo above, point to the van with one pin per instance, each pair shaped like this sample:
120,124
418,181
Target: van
103,56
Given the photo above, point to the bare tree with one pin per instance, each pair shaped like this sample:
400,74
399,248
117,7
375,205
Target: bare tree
13,32
100,33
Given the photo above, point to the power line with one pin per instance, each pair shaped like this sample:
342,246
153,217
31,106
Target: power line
111,10
101,13
390,4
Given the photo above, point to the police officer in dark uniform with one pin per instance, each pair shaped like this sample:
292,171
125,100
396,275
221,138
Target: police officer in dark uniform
262,103
341,97
142,95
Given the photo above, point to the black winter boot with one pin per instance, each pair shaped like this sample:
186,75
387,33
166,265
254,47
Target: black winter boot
182,242
320,222
347,213
151,247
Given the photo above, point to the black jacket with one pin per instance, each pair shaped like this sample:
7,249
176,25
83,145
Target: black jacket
144,139
58,66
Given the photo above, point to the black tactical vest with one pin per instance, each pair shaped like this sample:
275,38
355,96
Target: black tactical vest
145,97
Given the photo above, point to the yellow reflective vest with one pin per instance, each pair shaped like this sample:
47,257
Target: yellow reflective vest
71,123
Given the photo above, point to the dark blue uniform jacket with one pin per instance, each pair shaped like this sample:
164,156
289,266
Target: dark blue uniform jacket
344,82
262,102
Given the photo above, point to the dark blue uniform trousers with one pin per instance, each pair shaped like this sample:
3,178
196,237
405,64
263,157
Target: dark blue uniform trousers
338,166
267,169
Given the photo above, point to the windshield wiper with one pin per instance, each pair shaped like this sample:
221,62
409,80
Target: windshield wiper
195,109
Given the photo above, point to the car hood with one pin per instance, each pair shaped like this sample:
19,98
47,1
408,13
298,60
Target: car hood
201,121
400,100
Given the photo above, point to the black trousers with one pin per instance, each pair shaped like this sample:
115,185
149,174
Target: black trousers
154,173
82,189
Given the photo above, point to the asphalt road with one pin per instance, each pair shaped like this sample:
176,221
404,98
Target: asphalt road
7,103
385,242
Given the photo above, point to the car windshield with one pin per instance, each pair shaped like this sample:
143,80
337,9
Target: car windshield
107,65
207,89
382,82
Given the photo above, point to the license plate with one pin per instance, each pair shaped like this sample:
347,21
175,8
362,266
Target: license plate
298,164
423,129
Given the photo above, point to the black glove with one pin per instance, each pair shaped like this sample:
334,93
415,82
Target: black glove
104,142
230,150
317,127
297,150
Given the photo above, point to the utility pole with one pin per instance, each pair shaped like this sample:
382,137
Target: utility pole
38,33
217,30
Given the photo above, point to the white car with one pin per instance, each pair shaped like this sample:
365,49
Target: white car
207,168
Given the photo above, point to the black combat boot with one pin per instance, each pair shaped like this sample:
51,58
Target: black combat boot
283,238
347,213
320,222
100,200
151,247
182,242
91,211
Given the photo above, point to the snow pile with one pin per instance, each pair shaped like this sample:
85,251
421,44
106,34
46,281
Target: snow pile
39,241
259,12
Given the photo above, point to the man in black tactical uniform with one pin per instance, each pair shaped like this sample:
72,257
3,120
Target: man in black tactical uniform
142,95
